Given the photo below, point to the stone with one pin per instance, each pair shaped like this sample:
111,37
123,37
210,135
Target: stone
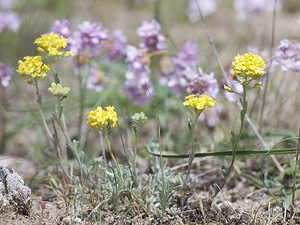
14,193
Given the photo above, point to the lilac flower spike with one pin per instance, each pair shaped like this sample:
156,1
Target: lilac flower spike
88,38
187,56
62,28
201,83
138,61
287,55
5,74
151,36
207,7
116,45
138,86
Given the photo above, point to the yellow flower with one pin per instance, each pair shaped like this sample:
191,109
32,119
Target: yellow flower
247,66
199,103
52,44
103,118
33,66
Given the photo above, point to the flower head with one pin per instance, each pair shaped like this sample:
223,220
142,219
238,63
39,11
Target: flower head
62,28
247,66
116,45
88,38
52,44
103,118
199,103
139,118
58,90
5,74
288,55
151,36
138,85
33,67
138,89
200,83
187,56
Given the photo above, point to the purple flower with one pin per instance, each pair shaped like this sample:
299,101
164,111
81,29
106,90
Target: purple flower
116,45
138,61
151,36
5,74
248,9
287,55
207,7
140,90
138,86
176,82
95,80
187,56
62,28
191,81
9,20
201,83
88,38
183,75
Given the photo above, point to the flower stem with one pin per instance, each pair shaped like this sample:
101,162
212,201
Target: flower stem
82,101
294,189
192,153
40,103
235,139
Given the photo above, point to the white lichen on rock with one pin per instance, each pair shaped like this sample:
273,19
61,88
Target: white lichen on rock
14,193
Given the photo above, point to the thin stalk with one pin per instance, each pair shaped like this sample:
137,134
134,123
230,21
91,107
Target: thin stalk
163,184
81,102
40,104
235,140
124,149
192,153
136,138
294,189
255,152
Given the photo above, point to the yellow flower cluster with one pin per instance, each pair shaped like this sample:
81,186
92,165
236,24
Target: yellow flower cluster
52,44
33,66
247,66
103,118
199,103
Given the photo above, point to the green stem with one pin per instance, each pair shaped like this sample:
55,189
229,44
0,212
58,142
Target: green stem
235,140
40,103
256,152
192,153
294,188
107,139
81,101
